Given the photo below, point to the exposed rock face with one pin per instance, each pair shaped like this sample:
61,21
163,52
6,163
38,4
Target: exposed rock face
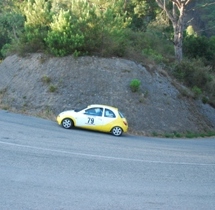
39,83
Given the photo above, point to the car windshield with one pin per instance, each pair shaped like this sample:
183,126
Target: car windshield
80,109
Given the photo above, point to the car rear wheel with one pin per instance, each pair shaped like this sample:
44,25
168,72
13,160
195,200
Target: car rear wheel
117,131
67,123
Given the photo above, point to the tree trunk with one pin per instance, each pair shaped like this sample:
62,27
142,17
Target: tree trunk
178,26
177,22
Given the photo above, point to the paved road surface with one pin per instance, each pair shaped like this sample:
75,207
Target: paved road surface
43,166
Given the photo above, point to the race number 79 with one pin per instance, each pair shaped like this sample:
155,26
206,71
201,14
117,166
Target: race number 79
90,120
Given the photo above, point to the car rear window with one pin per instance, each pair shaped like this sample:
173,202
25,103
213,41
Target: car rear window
121,115
109,113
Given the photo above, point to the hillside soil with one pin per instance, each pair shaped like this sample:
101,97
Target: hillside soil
43,86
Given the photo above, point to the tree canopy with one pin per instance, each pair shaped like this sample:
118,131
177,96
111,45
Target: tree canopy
100,27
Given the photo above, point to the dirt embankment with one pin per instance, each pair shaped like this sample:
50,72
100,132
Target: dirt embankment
42,85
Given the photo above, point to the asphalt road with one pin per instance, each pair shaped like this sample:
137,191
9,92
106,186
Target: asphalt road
43,166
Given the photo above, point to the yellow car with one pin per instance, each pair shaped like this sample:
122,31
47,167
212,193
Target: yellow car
95,117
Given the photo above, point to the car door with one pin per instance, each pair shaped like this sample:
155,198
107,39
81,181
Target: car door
90,118
109,119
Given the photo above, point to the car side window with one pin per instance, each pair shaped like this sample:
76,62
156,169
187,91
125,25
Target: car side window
109,113
94,111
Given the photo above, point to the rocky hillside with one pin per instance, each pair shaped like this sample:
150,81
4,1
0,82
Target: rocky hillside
44,86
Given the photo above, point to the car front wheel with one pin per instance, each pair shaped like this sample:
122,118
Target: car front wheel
67,123
117,131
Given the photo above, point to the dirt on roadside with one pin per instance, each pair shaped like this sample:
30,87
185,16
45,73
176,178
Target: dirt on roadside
41,85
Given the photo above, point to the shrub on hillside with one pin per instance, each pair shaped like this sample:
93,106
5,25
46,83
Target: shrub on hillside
197,76
135,85
150,45
200,47
192,73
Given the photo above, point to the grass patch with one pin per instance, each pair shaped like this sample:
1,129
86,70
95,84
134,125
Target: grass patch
45,79
187,134
52,88
4,107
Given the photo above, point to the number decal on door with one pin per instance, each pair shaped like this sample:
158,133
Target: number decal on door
90,120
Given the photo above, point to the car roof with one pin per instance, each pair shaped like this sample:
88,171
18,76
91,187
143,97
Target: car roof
102,105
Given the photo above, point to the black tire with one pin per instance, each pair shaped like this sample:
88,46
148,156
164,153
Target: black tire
117,131
67,123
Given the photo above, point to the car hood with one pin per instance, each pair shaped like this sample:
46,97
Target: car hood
67,112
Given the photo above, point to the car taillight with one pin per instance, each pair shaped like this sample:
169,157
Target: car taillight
125,123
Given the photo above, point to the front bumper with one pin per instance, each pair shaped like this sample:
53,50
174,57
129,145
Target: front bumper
58,120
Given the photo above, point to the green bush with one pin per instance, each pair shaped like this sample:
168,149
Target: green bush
64,37
192,73
197,91
153,54
200,47
135,85
205,100
5,50
61,44
149,44
198,77
24,46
